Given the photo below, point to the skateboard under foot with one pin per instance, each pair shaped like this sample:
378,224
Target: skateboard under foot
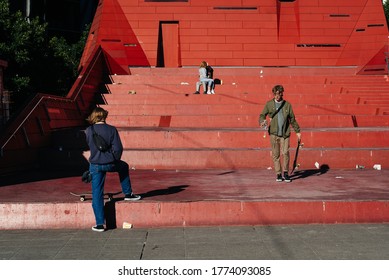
85,196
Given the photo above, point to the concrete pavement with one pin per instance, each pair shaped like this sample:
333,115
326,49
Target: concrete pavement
289,242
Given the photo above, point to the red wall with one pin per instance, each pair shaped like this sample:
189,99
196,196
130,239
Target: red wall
244,32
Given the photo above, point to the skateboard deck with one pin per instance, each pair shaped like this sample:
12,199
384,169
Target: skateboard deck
295,164
88,195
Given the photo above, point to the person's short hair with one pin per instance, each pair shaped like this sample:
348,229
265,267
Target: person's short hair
98,115
278,89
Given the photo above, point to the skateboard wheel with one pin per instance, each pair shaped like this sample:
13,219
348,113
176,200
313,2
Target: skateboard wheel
82,198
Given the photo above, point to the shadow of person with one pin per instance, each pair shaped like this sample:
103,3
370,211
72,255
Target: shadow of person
159,192
166,191
63,157
110,214
301,174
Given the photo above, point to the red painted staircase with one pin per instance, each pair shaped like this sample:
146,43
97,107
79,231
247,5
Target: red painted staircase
163,125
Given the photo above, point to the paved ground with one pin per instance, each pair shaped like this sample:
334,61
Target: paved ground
226,197
298,242
209,184
289,242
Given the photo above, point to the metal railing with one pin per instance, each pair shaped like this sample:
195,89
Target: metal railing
40,98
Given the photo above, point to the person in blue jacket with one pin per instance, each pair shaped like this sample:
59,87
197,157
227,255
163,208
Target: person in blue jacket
101,162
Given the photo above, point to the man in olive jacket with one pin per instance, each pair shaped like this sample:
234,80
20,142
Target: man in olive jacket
281,117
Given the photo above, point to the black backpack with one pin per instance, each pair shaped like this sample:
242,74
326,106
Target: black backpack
99,141
209,71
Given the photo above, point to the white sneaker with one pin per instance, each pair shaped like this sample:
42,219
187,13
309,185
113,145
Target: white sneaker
212,92
132,197
208,92
98,228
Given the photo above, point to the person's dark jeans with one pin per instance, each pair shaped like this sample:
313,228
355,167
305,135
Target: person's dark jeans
98,173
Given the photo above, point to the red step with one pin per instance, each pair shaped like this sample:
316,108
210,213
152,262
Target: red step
189,86
312,73
164,125
227,97
305,121
222,109
206,158
228,138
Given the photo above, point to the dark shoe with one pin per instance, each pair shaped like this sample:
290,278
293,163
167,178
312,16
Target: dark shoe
98,228
132,197
197,92
279,178
287,178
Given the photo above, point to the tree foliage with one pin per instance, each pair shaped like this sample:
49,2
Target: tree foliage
36,63
386,11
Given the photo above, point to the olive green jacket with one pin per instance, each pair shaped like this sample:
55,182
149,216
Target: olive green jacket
289,118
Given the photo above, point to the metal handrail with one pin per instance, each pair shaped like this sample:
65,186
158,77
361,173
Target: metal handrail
85,73
78,84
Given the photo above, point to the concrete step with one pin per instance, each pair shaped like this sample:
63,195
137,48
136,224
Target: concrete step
375,97
384,110
313,74
261,84
208,197
245,120
241,73
231,97
206,158
239,148
165,126
355,81
378,102
371,91
223,109
288,82
250,138
227,88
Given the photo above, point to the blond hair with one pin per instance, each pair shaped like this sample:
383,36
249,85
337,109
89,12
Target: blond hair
98,115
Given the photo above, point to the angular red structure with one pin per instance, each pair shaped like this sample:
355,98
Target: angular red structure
241,33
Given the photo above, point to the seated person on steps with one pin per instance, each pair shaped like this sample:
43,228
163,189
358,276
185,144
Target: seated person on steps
204,79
